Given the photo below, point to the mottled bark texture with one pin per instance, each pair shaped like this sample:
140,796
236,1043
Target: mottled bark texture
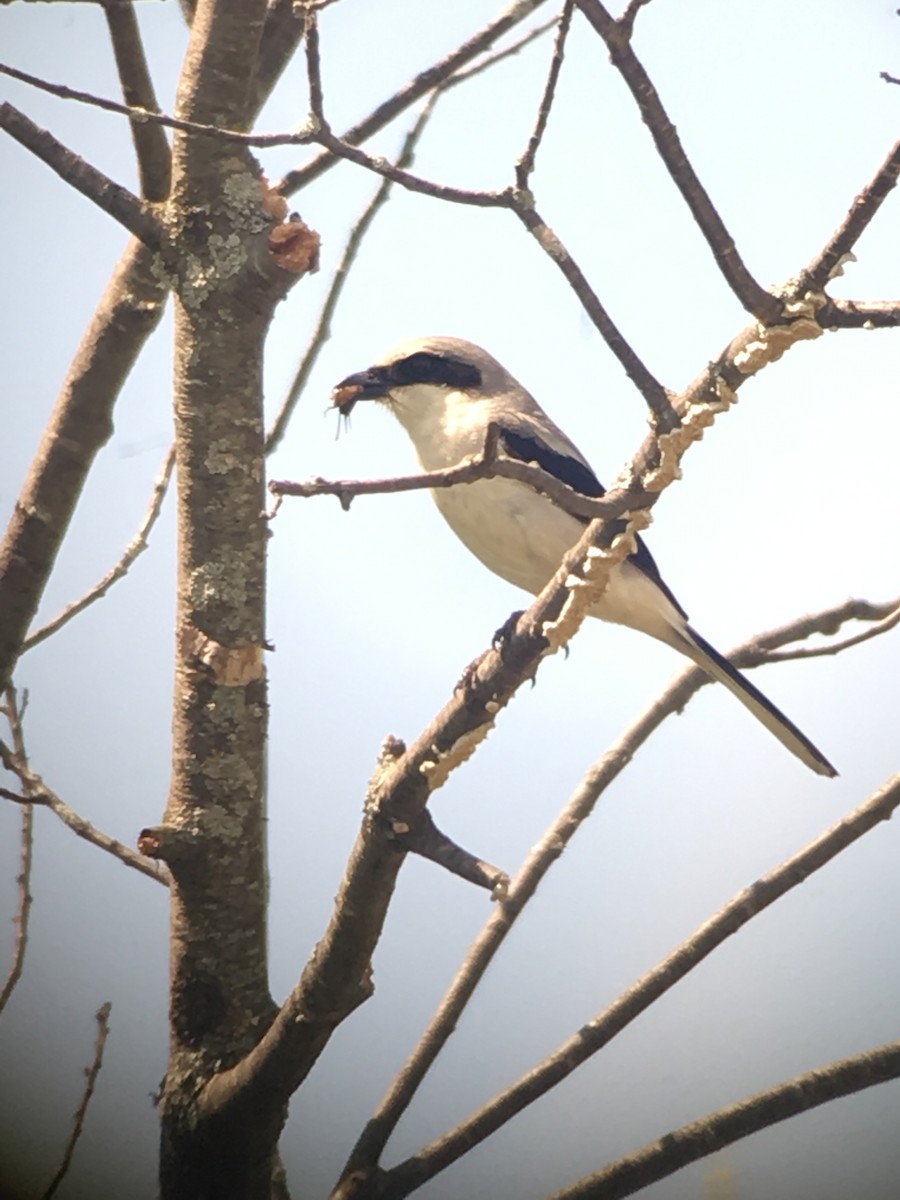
227,284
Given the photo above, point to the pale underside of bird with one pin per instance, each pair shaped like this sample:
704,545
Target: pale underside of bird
446,393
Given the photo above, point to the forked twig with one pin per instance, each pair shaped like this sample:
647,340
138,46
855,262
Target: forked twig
91,1074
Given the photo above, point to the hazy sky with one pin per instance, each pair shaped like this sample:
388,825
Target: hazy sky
788,506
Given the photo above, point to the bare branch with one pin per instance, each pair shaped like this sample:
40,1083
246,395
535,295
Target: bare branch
883,626
592,1037
81,1113
114,199
14,715
129,311
525,165
859,314
489,464
651,389
135,547
38,793
825,265
153,154
418,87
548,850
887,77
751,294
627,19
322,331
701,1138
426,840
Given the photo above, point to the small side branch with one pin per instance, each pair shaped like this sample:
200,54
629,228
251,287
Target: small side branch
701,1138
617,35
114,199
14,714
133,550
37,792
91,1074
826,264
425,839
525,165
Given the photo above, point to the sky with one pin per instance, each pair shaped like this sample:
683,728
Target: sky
787,506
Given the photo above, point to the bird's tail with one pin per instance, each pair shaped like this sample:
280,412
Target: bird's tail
719,668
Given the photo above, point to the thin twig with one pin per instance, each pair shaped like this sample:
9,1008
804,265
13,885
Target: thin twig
414,90
888,622
701,1138
111,197
322,331
549,849
39,793
140,114
848,233
91,1073
592,1037
648,385
752,295
135,547
525,165
153,155
23,880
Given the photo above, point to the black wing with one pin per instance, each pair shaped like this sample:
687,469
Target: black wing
580,478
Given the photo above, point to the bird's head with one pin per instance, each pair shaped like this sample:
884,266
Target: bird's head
425,374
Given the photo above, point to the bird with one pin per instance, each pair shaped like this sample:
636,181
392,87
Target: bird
447,393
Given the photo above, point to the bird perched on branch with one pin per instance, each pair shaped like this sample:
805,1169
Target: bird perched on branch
447,393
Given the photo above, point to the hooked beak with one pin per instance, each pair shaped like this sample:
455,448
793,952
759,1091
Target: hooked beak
364,385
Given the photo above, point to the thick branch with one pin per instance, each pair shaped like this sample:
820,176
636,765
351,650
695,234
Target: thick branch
114,199
711,1133
81,424
859,314
760,649
752,296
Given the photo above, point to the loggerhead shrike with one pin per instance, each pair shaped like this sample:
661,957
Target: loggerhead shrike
445,392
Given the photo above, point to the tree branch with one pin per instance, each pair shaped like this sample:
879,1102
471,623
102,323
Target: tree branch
14,714
616,35
414,90
111,197
525,165
859,314
828,262
37,792
92,1072
129,311
592,1037
701,1138
548,850
152,150
322,331
135,547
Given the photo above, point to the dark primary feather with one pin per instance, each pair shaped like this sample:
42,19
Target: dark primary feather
580,478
